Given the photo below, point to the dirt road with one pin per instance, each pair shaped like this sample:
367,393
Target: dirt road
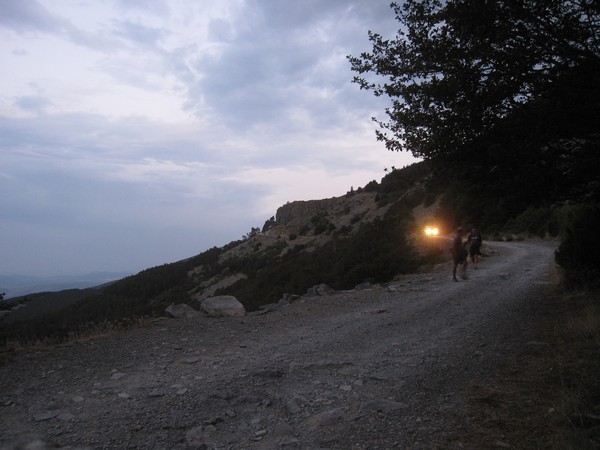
391,366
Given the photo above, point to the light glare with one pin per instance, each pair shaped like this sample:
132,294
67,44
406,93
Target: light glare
431,231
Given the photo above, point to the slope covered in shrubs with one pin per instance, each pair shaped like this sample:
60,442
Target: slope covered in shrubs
368,235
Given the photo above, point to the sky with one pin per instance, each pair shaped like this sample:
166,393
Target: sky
135,133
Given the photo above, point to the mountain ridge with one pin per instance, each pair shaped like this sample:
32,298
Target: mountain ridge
15,285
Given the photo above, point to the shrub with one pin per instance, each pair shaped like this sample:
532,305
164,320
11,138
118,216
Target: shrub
303,231
371,186
429,200
356,218
579,251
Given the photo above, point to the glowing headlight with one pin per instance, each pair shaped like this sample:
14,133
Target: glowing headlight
431,231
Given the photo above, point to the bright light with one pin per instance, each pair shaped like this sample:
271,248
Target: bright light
431,231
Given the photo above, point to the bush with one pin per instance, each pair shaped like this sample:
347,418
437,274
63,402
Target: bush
371,186
429,199
579,250
533,221
303,231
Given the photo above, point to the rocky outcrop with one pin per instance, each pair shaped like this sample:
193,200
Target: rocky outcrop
209,287
303,209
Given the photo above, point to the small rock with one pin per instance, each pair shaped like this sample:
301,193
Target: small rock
66,417
326,418
156,393
195,438
45,415
380,405
295,404
283,429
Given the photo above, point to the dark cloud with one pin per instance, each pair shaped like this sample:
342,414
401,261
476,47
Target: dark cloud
220,30
139,34
33,103
287,57
30,15
157,7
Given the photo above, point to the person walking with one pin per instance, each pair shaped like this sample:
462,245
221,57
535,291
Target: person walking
459,254
474,244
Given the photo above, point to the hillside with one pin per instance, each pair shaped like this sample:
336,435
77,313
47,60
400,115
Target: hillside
363,236
20,285
370,235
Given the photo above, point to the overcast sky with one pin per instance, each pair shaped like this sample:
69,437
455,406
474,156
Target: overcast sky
139,132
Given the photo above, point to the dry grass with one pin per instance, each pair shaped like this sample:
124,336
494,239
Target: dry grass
97,331
548,395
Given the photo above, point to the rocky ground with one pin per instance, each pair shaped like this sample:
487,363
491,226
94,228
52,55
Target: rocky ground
422,362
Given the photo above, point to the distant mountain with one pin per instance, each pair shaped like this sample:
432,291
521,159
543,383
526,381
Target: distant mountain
18,285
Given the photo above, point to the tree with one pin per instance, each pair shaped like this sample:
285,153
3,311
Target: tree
253,232
459,68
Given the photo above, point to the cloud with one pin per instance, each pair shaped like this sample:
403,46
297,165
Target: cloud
156,7
139,34
30,15
283,64
33,103
134,133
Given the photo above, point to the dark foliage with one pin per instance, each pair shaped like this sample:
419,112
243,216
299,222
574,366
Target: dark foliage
456,68
502,98
145,294
579,251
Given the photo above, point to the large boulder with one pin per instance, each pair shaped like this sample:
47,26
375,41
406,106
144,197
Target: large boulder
181,311
222,306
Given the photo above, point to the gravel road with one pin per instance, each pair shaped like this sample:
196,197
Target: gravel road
379,368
